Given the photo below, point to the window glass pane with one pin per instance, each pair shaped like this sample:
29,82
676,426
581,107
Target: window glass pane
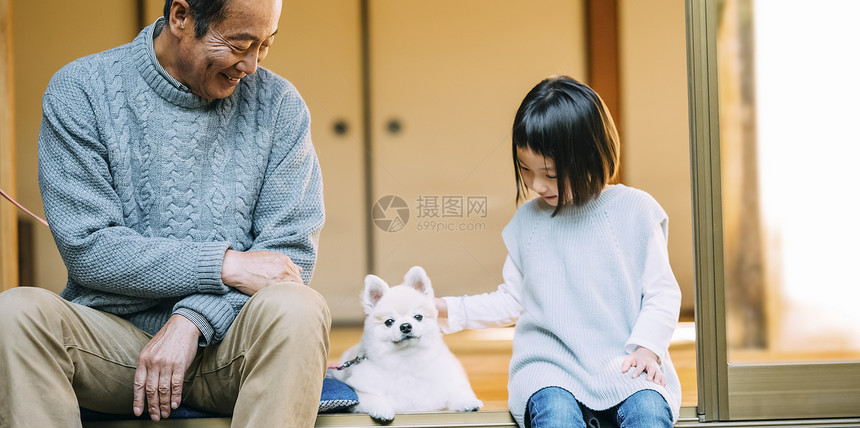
788,108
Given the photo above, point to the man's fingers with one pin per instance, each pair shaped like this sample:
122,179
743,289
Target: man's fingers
151,390
296,271
176,389
165,391
139,383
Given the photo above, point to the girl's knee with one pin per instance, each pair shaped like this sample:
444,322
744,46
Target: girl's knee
650,399
553,395
645,408
553,407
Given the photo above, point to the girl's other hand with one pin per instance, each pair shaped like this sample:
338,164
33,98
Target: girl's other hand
442,307
644,360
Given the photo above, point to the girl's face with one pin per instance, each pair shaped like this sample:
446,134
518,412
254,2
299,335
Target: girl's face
538,174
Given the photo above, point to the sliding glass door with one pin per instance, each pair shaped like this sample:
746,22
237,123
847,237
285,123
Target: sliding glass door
773,96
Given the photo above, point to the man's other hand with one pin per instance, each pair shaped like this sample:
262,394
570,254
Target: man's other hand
251,271
162,365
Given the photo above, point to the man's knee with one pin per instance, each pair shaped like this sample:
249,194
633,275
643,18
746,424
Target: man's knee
293,303
21,305
28,315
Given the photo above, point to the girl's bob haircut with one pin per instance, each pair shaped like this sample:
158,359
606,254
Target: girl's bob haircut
566,121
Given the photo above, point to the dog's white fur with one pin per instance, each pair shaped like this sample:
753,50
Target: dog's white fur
407,366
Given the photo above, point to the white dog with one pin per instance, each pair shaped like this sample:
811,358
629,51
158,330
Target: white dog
401,363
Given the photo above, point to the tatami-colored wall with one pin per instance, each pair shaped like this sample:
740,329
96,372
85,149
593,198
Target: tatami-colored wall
655,144
50,33
47,35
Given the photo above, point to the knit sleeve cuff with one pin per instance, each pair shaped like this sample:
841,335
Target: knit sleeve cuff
206,330
211,257
212,314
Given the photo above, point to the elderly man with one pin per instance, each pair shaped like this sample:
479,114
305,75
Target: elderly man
185,197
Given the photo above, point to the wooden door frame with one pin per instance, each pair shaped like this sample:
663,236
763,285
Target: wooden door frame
602,57
8,214
729,392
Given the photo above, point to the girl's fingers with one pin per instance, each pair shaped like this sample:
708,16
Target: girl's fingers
656,375
638,370
628,362
662,379
639,365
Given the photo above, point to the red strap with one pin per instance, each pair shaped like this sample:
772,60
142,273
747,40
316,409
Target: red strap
22,207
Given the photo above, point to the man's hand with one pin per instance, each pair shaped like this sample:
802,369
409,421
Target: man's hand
643,359
250,272
161,367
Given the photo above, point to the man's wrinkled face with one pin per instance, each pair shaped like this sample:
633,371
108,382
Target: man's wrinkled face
213,65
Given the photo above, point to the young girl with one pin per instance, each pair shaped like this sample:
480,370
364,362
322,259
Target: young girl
587,277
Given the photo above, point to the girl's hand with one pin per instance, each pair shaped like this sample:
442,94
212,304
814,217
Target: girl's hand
442,307
644,360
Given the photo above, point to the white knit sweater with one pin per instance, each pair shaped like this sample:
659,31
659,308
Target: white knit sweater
588,287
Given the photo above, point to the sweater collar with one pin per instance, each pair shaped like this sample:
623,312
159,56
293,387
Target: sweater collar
156,76
590,207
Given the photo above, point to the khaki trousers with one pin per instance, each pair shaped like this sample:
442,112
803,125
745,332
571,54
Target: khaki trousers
56,356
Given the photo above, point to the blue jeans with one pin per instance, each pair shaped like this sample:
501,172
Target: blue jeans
556,407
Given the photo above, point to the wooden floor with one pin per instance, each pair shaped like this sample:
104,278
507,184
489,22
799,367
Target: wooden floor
486,354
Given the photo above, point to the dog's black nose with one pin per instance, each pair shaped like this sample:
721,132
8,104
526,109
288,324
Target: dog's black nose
406,327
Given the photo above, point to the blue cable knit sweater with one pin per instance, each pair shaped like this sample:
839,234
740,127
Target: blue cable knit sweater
146,185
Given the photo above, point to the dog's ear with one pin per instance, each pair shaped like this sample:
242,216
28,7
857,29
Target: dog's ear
418,279
374,289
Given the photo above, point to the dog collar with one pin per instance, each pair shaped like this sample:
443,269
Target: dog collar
350,363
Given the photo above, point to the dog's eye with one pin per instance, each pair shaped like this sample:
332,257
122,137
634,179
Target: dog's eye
389,322
419,317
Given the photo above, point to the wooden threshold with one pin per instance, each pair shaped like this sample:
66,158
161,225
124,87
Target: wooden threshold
415,420
478,419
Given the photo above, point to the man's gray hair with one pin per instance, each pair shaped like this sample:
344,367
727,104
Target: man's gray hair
204,13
